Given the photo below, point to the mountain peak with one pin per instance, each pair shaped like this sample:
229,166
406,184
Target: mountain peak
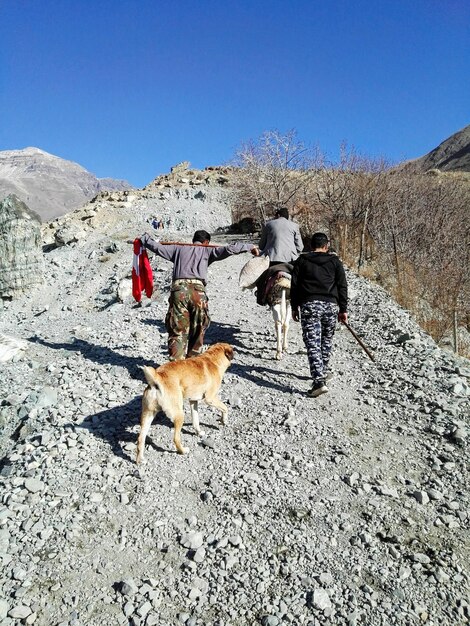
49,185
451,155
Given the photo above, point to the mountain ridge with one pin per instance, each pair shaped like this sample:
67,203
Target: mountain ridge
49,185
451,155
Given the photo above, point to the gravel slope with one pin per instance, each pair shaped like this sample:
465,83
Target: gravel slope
348,509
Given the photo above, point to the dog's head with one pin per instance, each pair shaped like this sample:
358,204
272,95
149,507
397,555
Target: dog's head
224,348
228,350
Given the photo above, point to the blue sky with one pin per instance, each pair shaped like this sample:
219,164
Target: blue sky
128,88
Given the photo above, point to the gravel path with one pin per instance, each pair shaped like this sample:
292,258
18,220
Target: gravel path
346,509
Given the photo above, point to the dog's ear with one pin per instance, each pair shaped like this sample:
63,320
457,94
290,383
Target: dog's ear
228,352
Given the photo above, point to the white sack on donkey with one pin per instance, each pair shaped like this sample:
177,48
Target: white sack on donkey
251,271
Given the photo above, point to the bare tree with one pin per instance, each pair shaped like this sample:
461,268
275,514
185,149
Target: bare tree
350,190
271,171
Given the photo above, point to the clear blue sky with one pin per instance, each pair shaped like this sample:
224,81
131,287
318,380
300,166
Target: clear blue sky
128,88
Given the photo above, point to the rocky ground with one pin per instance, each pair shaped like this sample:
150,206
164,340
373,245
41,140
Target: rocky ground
347,509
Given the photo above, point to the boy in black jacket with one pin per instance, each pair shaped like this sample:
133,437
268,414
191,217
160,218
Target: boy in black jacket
318,288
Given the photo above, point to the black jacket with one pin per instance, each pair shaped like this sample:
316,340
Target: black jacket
319,276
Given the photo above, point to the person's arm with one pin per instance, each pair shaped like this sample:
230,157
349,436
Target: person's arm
342,287
299,244
223,252
166,252
263,239
294,286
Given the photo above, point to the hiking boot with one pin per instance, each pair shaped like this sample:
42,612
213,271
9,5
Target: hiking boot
317,389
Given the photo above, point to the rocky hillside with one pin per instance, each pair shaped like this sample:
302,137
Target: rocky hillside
50,186
183,201
351,509
452,155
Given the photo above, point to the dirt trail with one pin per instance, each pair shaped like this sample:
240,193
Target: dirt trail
346,509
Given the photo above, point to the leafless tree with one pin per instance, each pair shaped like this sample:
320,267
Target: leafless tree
271,171
350,190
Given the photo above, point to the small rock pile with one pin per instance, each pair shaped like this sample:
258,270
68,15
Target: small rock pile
182,175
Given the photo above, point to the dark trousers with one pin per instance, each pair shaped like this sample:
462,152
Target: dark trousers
318,320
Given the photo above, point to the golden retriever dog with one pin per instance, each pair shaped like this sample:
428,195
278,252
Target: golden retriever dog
196,378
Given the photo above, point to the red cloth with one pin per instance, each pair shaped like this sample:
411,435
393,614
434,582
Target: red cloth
142,277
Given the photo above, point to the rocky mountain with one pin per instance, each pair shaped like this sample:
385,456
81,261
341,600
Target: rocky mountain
49,185
452,155
350,509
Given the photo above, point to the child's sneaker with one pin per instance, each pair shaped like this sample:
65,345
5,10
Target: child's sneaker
317,389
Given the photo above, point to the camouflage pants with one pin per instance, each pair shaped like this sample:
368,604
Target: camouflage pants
187,320
318,321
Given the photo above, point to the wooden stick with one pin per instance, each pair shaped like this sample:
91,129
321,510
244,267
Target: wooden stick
179,243
360,342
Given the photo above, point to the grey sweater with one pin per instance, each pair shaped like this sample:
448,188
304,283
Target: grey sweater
193,261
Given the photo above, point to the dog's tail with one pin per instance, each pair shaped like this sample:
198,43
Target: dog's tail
152,380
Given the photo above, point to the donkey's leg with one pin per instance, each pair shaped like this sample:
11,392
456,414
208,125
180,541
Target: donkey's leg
277,316
286,317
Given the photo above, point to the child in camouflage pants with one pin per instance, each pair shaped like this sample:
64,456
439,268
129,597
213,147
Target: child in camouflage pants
318,321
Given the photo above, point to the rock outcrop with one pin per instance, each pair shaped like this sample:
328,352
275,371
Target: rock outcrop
182,176
21,262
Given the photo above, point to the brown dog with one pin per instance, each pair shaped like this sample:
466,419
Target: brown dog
196,378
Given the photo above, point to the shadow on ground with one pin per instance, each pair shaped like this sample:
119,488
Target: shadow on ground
116,425
98,354
257,374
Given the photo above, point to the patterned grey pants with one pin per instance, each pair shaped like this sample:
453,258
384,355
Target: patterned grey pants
318,321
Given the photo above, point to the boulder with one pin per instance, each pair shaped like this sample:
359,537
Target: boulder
21,260
69,233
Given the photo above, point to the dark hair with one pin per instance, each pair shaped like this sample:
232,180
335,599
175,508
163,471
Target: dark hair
319,240
282,212
200,236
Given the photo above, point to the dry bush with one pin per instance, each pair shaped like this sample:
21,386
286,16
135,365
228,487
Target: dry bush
342,196
423,233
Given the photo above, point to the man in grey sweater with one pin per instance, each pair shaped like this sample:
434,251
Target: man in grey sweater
280,239
188,317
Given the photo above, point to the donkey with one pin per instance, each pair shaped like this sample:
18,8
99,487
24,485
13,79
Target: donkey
273,289
278,299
